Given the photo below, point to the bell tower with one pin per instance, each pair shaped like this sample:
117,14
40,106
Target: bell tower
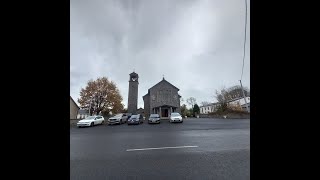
133,92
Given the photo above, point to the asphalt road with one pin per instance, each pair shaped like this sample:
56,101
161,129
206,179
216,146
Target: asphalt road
195,149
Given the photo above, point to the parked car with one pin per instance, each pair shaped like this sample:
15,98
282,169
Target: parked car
118,119
128,115
175,117
91,121
154,118
135,119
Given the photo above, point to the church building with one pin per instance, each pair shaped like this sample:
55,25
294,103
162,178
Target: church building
162,99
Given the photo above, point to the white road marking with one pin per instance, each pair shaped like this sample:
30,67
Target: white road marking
144,149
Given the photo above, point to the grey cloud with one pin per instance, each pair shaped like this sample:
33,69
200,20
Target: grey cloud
197,45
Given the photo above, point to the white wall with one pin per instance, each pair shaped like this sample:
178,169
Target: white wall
206,109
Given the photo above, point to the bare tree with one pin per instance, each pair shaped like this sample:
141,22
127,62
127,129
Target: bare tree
181,100
227,94
191,101
204,103
234,92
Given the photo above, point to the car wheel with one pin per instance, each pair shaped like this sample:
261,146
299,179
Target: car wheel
120,122
92,124
102,122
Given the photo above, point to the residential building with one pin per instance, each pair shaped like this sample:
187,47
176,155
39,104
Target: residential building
73,109
83,113
240,102
209,108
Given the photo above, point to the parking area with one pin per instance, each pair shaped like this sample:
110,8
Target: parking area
195,149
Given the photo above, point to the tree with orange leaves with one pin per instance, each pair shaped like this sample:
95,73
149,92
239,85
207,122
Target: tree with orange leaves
101,97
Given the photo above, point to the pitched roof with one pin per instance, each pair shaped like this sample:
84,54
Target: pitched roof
164,81
75,102
210,104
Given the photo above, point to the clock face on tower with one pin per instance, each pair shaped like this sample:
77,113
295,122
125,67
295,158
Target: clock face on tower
134,79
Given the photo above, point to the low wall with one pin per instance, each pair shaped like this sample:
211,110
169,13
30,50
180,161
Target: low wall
226,116
73,122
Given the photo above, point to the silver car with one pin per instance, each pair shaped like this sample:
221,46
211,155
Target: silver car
117,119
154,118
176,117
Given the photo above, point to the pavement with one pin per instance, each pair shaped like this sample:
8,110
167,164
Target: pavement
195,149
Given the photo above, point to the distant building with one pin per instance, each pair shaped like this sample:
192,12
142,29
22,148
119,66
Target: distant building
209,108
73,109
162,99
244,107
83,113
240,102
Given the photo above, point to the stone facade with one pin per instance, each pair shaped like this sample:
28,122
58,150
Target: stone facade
162,99
133,93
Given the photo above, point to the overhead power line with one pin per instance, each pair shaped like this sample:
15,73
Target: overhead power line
245,38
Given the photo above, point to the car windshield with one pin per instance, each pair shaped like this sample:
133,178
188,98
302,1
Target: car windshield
175,114
154,115
134,116
90,117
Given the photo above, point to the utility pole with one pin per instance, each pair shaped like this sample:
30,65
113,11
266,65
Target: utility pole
244,96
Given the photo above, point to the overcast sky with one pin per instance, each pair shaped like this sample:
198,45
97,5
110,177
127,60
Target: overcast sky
196,44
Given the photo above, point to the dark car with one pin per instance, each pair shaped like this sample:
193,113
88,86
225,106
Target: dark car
154,118
135,119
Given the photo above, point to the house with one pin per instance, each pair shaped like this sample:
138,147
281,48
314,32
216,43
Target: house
209,108
239,102
244,107
74,108
162,99
83,113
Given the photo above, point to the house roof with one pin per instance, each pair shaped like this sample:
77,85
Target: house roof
75,102
210,104
235,99
83,111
